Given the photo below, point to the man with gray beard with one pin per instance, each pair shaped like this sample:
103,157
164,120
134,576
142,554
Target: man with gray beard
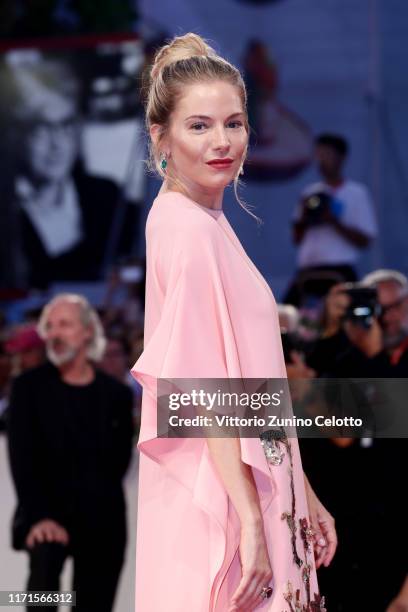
377,351
384,344
70,440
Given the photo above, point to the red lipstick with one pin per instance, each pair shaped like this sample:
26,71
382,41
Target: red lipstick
224,162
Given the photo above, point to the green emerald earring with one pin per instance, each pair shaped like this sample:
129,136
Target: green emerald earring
163,162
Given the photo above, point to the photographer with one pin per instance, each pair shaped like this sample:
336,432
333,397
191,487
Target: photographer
334,219
385,343
365,334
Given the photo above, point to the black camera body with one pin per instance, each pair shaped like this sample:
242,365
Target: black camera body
315,206
363,306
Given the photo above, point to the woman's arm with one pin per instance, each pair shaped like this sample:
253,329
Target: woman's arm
240,485
238,479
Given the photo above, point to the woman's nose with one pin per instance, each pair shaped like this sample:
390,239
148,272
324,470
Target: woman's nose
221,140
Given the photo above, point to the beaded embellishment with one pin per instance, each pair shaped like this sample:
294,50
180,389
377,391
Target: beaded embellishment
272,442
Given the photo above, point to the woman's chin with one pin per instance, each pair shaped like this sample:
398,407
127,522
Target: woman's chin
219,182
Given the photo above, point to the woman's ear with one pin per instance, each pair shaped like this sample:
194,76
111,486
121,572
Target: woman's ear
155,133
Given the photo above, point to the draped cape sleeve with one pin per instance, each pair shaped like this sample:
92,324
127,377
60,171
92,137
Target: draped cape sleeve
190,332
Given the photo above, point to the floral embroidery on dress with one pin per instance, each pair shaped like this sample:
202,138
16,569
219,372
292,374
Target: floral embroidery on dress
295,604
306,581
292,528
293,598
318,604
271,441
306,534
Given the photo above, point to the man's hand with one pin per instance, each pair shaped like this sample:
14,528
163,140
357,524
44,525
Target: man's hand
47,530
328,216
368,341
298,368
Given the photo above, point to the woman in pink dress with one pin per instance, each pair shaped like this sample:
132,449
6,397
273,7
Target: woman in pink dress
224,524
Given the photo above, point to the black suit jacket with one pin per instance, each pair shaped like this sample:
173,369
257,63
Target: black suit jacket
39,450
98,199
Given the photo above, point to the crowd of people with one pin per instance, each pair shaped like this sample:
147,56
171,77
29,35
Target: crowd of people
361,333
361,479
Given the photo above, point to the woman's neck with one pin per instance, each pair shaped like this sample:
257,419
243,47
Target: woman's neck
205,198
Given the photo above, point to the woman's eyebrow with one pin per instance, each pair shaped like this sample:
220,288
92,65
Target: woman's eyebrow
206,117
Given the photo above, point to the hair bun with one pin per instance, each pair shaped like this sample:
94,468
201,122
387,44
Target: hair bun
180,48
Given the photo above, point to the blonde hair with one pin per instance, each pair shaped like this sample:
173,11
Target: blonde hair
89,318
185,60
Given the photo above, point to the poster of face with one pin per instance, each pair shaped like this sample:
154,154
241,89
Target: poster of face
71,163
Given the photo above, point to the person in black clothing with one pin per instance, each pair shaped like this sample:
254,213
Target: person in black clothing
370,565
362,482
346,349
95,200
386,345
70,441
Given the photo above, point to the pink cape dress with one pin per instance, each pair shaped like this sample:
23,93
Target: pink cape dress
210,314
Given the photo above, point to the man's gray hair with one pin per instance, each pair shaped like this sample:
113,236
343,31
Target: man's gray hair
89,318
385,276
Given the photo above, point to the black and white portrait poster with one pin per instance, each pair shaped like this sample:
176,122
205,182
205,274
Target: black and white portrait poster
71,164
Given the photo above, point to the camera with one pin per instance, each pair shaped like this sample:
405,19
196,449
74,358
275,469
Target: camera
363,306
315,206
